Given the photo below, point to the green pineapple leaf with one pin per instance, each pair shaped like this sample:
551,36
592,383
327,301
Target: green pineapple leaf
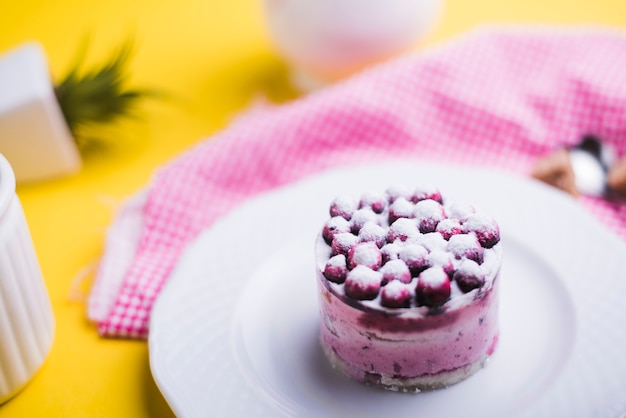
100,95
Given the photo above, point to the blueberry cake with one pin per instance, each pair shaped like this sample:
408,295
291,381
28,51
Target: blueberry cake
408,285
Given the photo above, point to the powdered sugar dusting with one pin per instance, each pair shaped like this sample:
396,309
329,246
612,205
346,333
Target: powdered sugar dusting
365,253
428,214
363,283
459,210
426,191
440,258
433,276
461,245
492,259
338,223
478,221
335,225
413,253
396,270
395,289
420,244
377,201
485,229
373,232
342,242
433,241
469,276
336,269
401,208
448,227
403,229
361,217
469,267
398,190
428,209
364,276
390,251
343,206
338,260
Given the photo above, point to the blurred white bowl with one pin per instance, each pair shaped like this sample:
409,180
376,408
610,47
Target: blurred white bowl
324,40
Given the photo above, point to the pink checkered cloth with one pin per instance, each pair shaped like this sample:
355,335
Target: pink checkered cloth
496,97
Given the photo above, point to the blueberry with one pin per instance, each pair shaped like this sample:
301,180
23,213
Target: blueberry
360,217
428,214
433,287
426,193
400,208
469,276
403,229
465,246
335,269
432,241
366,254
485,229
362,283
459,211
374,233
395,295
343,206
390,251
395,270
342,242
334,226
449,227
377,202
396,191
443,259
415,257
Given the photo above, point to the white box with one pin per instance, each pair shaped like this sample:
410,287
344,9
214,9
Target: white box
34,136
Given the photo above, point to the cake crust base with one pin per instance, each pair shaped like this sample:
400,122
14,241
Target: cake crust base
396,383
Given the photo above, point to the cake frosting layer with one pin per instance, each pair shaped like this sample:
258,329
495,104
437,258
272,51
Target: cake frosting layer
407,349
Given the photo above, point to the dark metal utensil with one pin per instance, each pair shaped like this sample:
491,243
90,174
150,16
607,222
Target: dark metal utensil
591,160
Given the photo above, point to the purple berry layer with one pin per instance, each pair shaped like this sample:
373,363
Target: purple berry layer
411,304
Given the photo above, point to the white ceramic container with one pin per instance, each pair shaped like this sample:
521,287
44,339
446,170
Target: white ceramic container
325,40
26,316
34,136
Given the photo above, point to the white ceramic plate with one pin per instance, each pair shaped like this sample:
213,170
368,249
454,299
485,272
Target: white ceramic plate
234,331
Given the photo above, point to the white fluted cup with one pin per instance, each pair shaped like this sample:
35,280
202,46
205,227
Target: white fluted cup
326,40
26,316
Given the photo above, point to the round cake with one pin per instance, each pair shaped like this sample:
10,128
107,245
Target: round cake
408,284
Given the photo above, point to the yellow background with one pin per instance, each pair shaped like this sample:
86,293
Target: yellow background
212,58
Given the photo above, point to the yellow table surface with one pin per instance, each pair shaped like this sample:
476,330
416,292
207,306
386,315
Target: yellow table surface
213,58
